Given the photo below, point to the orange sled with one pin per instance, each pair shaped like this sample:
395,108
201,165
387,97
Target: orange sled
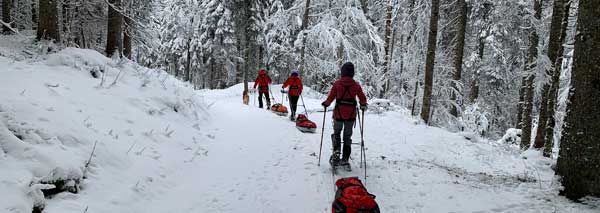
279,109
305,125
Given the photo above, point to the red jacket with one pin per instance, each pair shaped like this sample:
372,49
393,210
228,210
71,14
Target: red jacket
345,107
262,81
295,85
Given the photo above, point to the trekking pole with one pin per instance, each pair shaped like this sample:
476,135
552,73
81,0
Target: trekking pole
272,96
361,133
362,142
304,105
322,132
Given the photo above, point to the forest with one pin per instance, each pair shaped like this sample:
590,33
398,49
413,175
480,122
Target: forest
523,71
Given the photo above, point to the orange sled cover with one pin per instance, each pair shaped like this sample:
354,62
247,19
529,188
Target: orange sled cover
305,125
279,109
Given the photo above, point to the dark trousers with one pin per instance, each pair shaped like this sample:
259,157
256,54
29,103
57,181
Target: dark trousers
294,104
344,127
260,99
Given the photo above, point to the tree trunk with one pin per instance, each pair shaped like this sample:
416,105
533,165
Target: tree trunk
387,59
175,66
413,109
48,21
578,160
188,63
304,33
66,6
553,92
529,77
521,102
6,17
474,91
34,16
553,46
430,60
458,55
114,40
483,34
127,37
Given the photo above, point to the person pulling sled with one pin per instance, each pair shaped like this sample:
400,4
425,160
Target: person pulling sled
262,81
344,92
295,84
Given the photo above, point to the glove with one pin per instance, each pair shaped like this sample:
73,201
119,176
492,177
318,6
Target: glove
324,104
283,91
363,107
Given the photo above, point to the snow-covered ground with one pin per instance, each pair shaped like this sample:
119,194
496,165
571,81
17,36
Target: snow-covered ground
163,147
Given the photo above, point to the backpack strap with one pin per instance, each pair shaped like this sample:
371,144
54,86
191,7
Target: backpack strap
342,101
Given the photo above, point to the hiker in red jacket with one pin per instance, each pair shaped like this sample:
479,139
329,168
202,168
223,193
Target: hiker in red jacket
344,92
294,92
262,81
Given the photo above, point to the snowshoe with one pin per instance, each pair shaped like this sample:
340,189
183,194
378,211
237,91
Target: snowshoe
334,161
305,125
345,165
279,109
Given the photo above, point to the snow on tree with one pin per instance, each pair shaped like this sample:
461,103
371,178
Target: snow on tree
218,44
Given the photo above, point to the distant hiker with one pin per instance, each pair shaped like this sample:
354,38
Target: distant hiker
344,91
294,92
245,97
262,81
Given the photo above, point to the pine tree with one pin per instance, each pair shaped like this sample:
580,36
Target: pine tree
555,81
48,21
578,161
6,16
304,28
553,51
114,35
387,39
458,55
529,76
219,43
430,60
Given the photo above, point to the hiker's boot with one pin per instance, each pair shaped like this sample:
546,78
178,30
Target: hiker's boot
292,118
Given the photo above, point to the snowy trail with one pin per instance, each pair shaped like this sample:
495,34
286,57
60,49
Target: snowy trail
259,163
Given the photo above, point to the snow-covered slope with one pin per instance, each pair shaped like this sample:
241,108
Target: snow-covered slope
162,147
146,126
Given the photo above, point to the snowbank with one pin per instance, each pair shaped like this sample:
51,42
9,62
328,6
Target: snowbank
99,137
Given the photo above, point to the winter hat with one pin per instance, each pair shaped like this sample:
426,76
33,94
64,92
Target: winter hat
294,73
348,69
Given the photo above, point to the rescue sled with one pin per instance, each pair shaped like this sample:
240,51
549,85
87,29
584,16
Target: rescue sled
279,109
352,196
305,125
